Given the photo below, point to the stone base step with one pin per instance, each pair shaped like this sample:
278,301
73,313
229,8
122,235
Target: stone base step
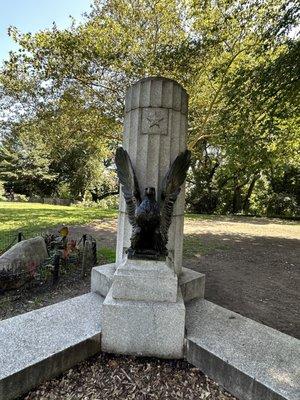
143,328
43,343
102,278
192,283
250,360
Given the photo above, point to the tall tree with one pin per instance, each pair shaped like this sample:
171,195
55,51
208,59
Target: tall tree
230,55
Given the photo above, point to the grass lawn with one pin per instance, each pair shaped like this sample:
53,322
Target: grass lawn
32,218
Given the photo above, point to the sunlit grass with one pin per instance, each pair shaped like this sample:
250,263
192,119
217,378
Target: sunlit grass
108,254
32,218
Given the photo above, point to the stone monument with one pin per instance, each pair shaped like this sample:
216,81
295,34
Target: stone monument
155,129
144,312
144,305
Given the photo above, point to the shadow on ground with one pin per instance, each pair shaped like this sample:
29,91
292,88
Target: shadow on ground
249,269
258,277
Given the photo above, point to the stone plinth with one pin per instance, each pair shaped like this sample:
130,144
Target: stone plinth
154,134
145,280
191,283
143,328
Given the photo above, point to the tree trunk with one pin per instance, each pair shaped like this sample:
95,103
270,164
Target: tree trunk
237,199
246,202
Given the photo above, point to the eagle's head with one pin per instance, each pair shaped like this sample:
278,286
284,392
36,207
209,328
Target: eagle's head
150,192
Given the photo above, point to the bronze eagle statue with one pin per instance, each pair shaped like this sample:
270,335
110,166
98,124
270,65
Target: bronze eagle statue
150,219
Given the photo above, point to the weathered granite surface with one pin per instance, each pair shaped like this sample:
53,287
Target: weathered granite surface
155,129
43,343
102,278
143,328
192,283
145,280
251,360
20,262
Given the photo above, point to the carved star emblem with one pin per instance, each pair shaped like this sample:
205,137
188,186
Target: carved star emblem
154,120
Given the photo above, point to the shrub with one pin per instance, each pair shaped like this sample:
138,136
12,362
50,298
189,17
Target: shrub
107,203
282,204
21,198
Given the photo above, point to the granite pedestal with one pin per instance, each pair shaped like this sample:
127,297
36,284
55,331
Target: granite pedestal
143,328
145,280
143,313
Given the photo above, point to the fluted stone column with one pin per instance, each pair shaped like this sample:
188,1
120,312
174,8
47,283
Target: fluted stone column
154,134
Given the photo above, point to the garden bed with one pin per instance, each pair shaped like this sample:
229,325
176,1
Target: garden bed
122,377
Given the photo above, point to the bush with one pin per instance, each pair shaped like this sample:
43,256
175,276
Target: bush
21,198
282,204
63,191
107,203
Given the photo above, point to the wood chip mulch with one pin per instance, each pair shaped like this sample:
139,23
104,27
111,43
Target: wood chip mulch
130,378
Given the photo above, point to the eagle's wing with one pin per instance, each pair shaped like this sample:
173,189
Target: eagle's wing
129,183
171,189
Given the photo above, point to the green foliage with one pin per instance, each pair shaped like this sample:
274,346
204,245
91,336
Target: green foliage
109,203
63,93
63,190
24,166
282,204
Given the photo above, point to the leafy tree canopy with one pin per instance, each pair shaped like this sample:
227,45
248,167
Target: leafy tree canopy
238,60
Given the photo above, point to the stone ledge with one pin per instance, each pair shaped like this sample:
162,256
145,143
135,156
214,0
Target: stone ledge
102,278
43,343
192,283
251,360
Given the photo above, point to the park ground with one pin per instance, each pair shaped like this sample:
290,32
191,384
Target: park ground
251,264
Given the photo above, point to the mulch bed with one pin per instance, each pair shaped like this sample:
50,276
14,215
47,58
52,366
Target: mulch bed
126,378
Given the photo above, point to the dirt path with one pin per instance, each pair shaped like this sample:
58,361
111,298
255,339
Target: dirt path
252,266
